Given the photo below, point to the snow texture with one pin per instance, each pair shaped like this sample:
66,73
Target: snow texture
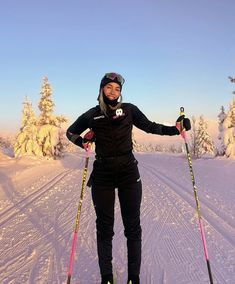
38,206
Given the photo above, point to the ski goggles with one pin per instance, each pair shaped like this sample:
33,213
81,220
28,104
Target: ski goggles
113,76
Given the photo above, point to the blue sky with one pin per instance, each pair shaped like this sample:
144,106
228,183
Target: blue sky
172,53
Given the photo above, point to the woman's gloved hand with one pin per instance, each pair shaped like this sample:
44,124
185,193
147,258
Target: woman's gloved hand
88,139
183,124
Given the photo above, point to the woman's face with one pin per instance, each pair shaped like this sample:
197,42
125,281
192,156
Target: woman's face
112,91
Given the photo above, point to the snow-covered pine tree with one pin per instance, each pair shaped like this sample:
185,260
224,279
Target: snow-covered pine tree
159,148
134,143
46,105
174,148
203,139
26,140
50,134
201,142
194,147
7,145
221,147
5,142
136,146
229,125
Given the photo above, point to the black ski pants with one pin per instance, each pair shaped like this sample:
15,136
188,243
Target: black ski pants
119,172
130,200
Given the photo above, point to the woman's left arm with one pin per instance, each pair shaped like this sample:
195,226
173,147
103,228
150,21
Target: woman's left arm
143,123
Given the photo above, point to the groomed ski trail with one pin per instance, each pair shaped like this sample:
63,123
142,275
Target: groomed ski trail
37,229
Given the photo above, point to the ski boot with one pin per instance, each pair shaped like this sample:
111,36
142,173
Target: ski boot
107,279
133,279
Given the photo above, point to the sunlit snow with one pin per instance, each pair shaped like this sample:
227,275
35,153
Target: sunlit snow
38,208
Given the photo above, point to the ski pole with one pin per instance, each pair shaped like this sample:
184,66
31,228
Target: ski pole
183,134
77,222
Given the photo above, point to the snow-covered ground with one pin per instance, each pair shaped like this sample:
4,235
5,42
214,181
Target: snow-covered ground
39,203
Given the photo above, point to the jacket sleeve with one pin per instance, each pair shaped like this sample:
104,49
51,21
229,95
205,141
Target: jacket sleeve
81,124
142,122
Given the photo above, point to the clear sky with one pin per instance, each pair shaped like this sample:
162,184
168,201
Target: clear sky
172,53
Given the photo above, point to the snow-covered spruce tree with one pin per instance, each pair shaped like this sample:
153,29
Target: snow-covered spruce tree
5,142
136,146
221,147
41,136
229,128
46,105
194,147
173,148
159,148
50,135
203,139
6,146
201,142
150,148
26,140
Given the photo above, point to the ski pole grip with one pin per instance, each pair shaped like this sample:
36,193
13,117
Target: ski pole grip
183,132
182,111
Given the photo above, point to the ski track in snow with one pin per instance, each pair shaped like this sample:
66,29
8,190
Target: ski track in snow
37,232
182,204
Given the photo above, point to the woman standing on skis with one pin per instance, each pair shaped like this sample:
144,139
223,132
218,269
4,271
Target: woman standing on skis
110,124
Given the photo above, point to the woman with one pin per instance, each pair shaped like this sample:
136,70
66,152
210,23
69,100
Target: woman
115,166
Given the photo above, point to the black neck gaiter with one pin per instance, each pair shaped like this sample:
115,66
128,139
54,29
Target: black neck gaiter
112,103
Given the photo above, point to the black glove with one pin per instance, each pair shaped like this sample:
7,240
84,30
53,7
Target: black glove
89,137
183,123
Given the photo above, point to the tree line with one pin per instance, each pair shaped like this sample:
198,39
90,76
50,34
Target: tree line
43,135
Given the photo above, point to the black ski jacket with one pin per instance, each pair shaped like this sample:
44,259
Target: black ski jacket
113,133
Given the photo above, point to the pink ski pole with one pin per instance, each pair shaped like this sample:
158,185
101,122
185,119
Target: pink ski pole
77,222
183,134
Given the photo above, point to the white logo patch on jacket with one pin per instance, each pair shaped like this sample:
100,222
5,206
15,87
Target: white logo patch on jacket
119,112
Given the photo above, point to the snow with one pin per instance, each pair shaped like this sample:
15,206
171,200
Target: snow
38,206
43,135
